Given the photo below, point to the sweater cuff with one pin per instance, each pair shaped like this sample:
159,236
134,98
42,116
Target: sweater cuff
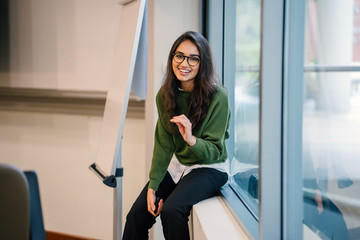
154,185
197,147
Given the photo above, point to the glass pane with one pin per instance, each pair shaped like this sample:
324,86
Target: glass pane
331,120
244,165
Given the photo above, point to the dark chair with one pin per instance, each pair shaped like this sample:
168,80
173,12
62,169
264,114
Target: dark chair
37,231
14,204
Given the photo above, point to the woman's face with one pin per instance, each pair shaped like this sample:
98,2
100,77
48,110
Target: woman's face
184,72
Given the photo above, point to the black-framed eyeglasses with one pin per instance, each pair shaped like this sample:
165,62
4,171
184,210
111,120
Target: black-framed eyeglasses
192,60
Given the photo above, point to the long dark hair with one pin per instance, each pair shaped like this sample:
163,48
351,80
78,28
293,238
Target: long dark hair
204,84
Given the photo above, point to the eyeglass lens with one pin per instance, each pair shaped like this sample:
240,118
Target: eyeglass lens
192,61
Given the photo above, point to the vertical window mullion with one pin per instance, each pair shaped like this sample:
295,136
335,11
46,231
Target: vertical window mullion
229,65
293,100
215,33
271,74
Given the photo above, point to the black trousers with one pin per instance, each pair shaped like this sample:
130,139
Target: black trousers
199,184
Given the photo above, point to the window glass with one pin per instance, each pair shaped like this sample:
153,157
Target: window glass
331,119
245,162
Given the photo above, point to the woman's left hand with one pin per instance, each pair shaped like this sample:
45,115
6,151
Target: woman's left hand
185,128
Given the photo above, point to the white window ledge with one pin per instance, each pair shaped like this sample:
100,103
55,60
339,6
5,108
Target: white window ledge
211,220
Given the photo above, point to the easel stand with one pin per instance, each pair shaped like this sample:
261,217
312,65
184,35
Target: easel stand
129,73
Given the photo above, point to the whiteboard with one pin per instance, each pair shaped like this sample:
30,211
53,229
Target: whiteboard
130,55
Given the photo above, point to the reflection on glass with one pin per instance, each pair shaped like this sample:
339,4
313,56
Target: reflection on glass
244,166
331,121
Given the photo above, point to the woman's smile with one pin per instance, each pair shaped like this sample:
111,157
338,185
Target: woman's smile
184,72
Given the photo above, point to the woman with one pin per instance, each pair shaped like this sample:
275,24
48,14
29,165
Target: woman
189,161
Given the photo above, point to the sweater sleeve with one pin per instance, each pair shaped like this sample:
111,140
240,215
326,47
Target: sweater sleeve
210,146
163,150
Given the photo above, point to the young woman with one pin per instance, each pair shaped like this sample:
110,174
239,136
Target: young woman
189,161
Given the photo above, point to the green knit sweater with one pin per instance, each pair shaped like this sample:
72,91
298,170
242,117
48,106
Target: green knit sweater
210,137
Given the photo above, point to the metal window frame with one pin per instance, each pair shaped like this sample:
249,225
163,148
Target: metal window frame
310,68
229,55
271,74
215,30
281,60
270,149
243,215
293,116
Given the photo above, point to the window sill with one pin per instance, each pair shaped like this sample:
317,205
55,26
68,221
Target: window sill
211,219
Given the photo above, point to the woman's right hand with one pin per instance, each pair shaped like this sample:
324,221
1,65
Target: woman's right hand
151,198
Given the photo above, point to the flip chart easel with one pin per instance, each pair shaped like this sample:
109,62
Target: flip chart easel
129,73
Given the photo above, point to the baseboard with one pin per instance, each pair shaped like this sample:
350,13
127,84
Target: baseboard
50,235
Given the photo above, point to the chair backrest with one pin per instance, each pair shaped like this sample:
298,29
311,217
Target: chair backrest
37,231
14,203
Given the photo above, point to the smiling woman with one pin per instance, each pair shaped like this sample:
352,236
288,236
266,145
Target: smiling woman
190,158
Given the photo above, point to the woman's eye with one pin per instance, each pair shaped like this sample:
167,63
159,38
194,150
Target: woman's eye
195,59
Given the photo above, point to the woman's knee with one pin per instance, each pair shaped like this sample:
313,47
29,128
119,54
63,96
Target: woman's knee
139,215
175,213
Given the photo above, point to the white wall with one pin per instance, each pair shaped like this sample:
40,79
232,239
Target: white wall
61,44
60,148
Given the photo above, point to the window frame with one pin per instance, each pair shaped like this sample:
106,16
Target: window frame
280,181
270,149
293,115
216,31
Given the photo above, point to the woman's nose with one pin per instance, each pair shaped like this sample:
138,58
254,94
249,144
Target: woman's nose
185,62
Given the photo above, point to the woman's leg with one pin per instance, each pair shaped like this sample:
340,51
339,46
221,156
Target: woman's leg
139,220
199,184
